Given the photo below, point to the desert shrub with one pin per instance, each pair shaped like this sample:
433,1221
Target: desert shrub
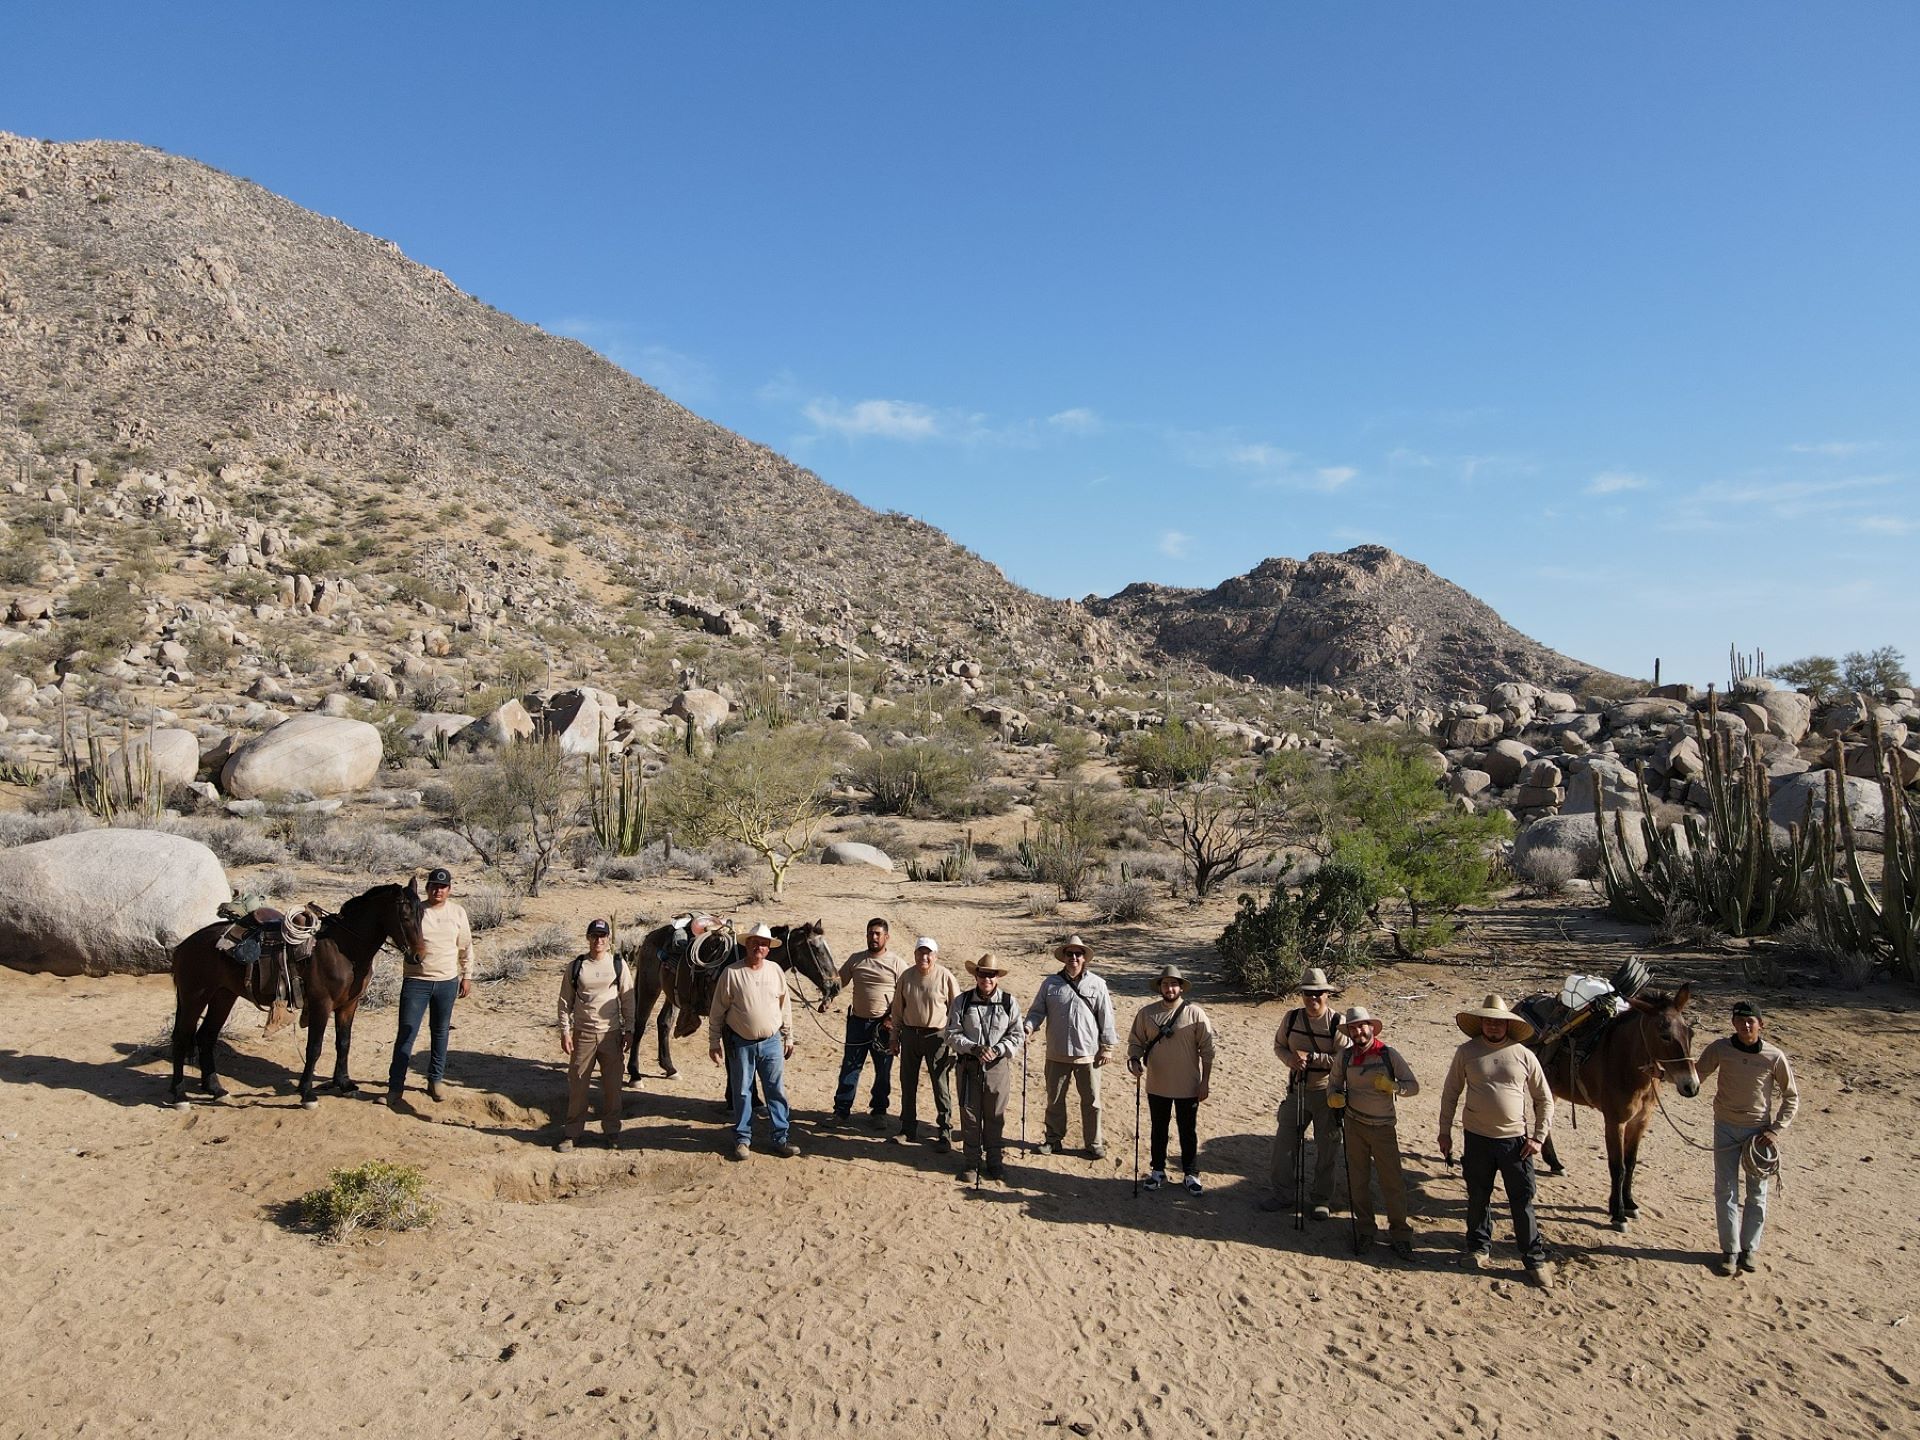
355,846
1175,753
22,559
1072,748
518,810
730,857
27,829
887,835
375,1196
957,865
1040,904
646,865
694,864
234,841
1159,865
104,617
763,789
550,942
919,777
1327,923
1805,940
1681,922
1547,869
490,909
207,653
1121,900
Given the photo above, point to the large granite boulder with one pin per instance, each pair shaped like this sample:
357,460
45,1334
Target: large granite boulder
851,852
318,754
105,902
175,756
1865,804
1579,836
707,709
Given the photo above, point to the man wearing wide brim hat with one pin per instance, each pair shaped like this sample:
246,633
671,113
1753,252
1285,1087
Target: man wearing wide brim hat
1369,1076
1170,1047
750,1025
1307,1041
984,1030
1508,1116
1075,1006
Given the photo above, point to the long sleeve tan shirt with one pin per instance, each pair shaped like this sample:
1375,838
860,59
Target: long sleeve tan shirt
1750,1082
1318,1040
1178,1063
751,1001
601,1003
1505,1091
922,1001
449,937
1358,1077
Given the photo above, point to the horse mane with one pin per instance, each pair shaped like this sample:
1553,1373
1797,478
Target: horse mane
354,906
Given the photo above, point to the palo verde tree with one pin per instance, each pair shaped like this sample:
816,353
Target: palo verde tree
765,789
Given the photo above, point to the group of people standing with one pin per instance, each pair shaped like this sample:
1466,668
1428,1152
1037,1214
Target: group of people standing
1345,1082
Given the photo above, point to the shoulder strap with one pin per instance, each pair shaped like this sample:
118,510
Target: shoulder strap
1165,1028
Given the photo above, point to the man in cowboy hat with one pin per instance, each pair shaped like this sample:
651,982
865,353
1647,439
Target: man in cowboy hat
751,1024
983,1031
1074,1005
596,1014
430,983
1308,1039
1170,1046
871,975
1754,1074
1508,1116
1368,1077
919,1014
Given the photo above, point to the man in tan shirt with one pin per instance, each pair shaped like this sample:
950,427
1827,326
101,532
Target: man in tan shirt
750,1024
1369,1076
921,999
1308,1039
1754,1077
1508,1116
1170,1050
432,983
870,975
596,1013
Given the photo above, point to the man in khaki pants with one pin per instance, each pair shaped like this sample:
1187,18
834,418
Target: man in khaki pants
596,1014
1368,1076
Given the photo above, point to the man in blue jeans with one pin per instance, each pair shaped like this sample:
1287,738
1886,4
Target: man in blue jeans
430,985
870,977
1755,1100
750,1027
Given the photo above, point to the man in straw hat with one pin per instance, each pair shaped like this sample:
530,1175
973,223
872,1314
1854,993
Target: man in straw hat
1074,1005
1307,1041
919,1014
1170,1046
596,1015
1754,1074
1508,1116
984,1029
1369,1076
751,1024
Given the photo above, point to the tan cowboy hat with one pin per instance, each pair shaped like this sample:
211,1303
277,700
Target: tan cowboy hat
1315,982
1170,972
1494,1007
1070,944
761,932
1359,1015
986,965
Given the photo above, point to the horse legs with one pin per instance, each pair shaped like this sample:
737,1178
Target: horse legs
218,1008
1635,1128
317,1017
669,1012
1616,1174
342,1083
1550,1157
187,1009
646,994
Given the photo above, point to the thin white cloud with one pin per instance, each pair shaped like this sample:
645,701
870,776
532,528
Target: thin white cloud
1887,524
1333,477
1613,482
887,419
1077,421
672,371
1836,449
1176,545
1259,456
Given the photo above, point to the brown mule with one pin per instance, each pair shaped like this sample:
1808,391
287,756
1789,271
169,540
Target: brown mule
334,975
1651,1042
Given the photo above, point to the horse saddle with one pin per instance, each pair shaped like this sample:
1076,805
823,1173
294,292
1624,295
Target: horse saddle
270,947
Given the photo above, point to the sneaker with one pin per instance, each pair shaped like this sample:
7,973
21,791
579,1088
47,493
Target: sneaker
969,1175
993,1172
1155,1179
1321,1212
877,1120
1479,1259
841,1117
565,1147
1542,1274
943,1143
787,1150
1055,1147
1194,1187
1403,1249
899,1137
1096,1152
1726,1264
1747,1263
739,1152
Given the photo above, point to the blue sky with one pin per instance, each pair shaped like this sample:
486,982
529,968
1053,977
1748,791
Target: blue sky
1610,314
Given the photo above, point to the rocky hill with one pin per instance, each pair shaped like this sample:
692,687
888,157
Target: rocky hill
1366,619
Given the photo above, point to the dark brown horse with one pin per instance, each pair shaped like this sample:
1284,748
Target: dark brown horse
1651,1042
334,977
686,986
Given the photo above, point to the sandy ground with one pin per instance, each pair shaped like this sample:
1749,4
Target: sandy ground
157,1286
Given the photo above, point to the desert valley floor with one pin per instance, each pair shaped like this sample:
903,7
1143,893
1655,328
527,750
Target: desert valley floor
157,1285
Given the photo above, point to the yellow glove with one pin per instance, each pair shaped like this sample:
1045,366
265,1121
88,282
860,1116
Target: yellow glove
1384,1083
1337,1100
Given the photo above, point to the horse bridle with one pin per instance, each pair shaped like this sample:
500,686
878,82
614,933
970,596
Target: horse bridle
1655,1066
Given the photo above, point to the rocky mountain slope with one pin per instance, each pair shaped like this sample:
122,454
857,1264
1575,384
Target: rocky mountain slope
1366,619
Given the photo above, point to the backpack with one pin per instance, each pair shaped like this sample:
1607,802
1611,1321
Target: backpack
579,961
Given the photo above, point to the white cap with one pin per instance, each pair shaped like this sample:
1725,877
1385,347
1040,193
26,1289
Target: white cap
927,943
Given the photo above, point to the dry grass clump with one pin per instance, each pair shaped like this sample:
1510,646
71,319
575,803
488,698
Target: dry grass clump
1121,901
1547,869
376,1195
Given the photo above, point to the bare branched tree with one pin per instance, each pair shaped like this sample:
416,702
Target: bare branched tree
766,790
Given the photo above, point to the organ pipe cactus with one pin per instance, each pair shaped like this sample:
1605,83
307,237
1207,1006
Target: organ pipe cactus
1725,862
1851,913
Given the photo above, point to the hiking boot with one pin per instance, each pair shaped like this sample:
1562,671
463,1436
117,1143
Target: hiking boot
994,1172
1155,1179
1322,1212
969,1174
943,1143
1542,1274
787,1150
393,1100
434,1092
1055,1147
1403,1249
877,1120
1726,1264
739,1152
565,1147
1479,1259
1096,1152
1747,1263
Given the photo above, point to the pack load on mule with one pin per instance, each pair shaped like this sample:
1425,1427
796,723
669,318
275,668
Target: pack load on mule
271,948
1582,1009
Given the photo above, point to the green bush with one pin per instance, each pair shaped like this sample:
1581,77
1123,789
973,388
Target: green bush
378,1195
1175,753
915,778
1265,948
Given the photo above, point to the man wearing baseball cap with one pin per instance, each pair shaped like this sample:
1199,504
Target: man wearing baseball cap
596,1012
431,983
918,1014
1754,1077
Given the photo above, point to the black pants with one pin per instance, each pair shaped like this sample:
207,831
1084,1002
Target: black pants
1163,1108
1483,1159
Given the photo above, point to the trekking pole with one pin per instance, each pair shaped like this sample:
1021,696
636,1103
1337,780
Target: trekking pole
1353,1215
1299,1156
1025,1148
1136,1137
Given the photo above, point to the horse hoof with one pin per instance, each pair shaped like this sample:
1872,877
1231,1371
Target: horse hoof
666,1074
